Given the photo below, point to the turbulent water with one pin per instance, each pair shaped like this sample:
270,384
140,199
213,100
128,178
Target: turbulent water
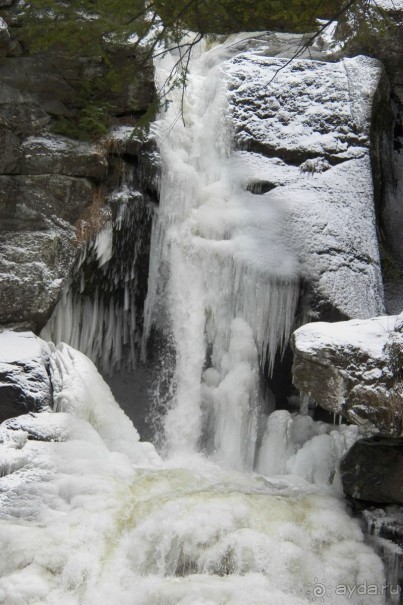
242,508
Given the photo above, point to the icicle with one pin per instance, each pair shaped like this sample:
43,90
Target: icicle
98,316
304,405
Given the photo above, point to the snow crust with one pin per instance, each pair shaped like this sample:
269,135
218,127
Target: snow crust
369,336
304,106
79,390
21,346
394,5
3,25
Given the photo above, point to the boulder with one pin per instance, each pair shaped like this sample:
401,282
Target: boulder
372,471
24,380
308,125
353,368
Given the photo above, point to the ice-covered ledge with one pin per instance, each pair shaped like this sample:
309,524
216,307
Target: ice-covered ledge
354,368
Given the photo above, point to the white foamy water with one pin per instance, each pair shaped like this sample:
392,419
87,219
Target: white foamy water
92,516
221,276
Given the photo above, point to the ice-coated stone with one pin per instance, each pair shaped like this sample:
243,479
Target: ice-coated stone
353,368
24,379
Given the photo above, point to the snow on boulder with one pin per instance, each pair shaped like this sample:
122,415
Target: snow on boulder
307,125
24,379
50,393
354,368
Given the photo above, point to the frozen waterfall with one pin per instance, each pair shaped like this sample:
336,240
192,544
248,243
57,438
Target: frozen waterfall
222,280
240,507
97,313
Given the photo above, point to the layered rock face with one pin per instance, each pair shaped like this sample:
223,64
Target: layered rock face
354,368
53,189
307,127
308,132
41,204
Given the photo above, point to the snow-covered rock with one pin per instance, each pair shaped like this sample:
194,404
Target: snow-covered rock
354,368
308,125
52,154
24,377
55,394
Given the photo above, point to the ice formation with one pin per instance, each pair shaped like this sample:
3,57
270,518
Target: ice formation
218,261
92,515
88,514
102,321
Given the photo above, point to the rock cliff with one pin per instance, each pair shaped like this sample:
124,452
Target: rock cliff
309,126
53,189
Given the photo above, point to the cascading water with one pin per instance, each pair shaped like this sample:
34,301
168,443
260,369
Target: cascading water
221,277
92,516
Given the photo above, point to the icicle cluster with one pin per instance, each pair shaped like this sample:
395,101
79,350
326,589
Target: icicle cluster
98,313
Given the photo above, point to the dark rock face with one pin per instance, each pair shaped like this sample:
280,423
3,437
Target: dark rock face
372,471
59,155
24,381
34,202
353,368
53,190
